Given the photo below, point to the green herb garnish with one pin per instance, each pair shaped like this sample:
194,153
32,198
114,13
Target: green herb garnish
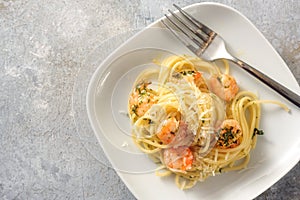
257,132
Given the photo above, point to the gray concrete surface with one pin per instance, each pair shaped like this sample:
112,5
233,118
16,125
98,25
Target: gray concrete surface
47,148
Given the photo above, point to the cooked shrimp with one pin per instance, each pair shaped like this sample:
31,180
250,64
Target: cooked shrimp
141,100
168,129
230,134
224,86
178,159
197,78
200,82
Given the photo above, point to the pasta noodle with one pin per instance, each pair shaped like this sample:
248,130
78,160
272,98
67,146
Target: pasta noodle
192,119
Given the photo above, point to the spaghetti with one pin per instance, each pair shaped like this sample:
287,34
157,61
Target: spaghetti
192,119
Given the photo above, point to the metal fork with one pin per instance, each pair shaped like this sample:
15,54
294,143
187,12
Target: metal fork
210,46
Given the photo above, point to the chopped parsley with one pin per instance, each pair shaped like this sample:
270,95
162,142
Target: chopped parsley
134,109
149,121
190,72
257,132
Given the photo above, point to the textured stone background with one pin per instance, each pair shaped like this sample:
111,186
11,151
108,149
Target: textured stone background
47,149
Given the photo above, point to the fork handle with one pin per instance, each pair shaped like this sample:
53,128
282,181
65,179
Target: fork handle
285,92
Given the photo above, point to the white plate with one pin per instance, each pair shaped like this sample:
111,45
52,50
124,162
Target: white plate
276,152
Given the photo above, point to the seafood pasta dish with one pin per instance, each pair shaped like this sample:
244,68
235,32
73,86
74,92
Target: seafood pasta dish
193,120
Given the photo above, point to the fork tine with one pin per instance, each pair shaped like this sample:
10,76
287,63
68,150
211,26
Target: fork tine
197,42
198,24
187,44
202,35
